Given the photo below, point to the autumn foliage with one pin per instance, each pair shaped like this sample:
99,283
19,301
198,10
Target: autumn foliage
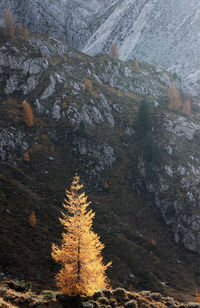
28,114
88,84
20,27
174,96
32,220
197,296
25,34
114,52
136,64
83,271
187,107
9,24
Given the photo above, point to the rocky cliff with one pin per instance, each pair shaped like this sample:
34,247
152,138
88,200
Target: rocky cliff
164,33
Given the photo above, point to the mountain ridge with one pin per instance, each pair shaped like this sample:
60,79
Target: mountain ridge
162,33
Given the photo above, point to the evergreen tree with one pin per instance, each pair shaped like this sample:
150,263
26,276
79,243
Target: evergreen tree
144,120
83,271
149,148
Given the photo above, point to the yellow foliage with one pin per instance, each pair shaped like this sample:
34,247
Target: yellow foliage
64,105
83,271
106,186
32,220
26,156
88,84
26,34
28,114
64,58
95,94
9,24
4,304
136,64
175,101
20,27
114,52
197,296
119,93
187,107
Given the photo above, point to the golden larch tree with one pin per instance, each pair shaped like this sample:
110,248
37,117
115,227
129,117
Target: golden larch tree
88,84
26,34
28,113
20,27
9,24
174,96
197,296
114,52
187,107
136,64
32,220
83,271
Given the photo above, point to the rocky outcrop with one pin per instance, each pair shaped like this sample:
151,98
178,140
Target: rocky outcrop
175,183
12,144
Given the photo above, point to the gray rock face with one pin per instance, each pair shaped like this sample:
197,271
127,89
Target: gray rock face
176,183
161,32
12,144
56,112
50,89
95,158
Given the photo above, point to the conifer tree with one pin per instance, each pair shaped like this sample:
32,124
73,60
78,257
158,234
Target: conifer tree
88,84
83,270
32,219
9,24
20,27
187,107
26,34
174,96
28,114
114,52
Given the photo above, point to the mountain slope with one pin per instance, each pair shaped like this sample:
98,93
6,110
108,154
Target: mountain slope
164,33
85,120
